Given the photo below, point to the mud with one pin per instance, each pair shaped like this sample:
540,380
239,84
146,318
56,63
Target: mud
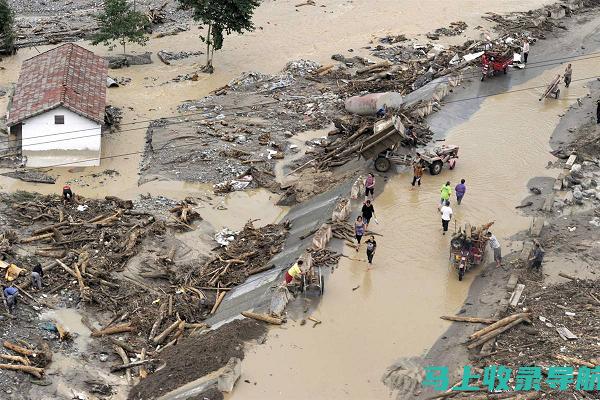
195,357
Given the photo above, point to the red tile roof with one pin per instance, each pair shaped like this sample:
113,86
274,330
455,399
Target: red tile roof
68,76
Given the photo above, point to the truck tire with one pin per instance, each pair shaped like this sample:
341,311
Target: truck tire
461,273
382,164
504,70
436,167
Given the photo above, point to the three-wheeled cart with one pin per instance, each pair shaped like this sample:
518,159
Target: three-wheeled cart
384,147
495,61
552,89
313,279
467,247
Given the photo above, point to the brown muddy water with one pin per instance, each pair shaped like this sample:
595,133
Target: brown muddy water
394,313
395,310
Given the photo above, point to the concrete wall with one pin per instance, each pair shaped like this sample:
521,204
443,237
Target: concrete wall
45,144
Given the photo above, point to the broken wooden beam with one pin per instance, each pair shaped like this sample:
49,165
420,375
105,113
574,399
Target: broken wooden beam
499,324
469,319
113,329
262,317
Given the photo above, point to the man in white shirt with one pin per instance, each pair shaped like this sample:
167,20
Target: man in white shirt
525,51
446,212
495,245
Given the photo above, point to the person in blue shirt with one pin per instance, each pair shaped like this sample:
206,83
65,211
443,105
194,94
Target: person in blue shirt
10,294
460,191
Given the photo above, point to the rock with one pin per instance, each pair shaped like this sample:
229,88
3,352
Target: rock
569,198
598,196
589,193
558,204
577,195
576,168
231,373
241,139
535,190
586,183
110,82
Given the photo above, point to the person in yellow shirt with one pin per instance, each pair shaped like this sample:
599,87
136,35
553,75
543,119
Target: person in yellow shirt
294,273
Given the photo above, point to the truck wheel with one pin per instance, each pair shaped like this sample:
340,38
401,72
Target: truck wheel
436,167
482,77
461,273
382,164
504,70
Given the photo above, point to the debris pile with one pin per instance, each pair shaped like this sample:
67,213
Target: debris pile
561,329
455,29
247,254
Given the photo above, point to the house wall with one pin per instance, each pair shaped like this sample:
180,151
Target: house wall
44,143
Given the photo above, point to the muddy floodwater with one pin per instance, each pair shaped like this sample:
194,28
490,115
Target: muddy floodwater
395,310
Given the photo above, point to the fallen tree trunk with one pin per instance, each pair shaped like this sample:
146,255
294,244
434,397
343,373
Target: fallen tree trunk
37,372
18,349
468,319
113,329
19,359
125,359
161,338
499,324
262,317
494,333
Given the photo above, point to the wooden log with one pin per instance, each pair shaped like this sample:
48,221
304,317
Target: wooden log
156,325
562,274
262,317
143,370
18,349
163,335
117,368
494,333
19,359
468,319
36,238
50,228
218,302
196,326
369,68
170,311
113,330
499,324
126,346
37,372
574,360
125,360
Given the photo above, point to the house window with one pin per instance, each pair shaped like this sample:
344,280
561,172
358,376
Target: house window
59,119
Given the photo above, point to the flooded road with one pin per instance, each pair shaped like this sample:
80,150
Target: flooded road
395,310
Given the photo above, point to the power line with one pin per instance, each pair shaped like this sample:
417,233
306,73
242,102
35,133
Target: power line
187,144
473,74
197,120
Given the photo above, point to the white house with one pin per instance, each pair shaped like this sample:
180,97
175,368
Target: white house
57,111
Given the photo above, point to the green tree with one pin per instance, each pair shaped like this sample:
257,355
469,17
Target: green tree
222,18
120,23
7,33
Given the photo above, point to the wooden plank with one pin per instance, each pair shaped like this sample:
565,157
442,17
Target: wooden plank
570,161
537,226
558,183
527,248
548,203
516,296
565,333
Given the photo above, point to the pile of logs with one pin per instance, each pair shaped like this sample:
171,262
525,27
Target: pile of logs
29,359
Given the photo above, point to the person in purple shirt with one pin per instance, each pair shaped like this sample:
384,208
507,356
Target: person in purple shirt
460,190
